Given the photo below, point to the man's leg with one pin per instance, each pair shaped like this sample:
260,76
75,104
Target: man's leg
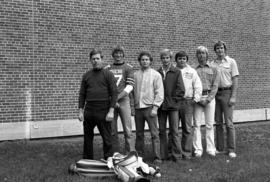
153,127
162,120
228,116
88,129
186,122
174,130
219,122
114,129
139,123
197,138
125,115
104,128
209,112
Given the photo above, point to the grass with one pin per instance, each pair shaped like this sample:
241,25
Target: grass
47,160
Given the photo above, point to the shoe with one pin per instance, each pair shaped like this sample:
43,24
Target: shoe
232,154
212,154
198,155
186,157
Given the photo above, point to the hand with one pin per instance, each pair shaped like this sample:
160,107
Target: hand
110,115
81,117
232,101
203,102
154,111
117,105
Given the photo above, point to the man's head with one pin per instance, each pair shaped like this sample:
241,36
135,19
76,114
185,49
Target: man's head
166,57
118,54
181,59
202,55
145,59
96,57
220,48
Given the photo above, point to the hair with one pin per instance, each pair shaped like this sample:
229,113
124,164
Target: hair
202,49
145,53
165,52
118,49
94,52
220,43
181,54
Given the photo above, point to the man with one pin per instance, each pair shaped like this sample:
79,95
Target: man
209,77
124,75
174,91
225,98
148,96
97,99
193,92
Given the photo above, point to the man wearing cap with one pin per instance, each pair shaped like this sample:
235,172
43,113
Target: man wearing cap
124,75
225,98
174,91
193,92
209,77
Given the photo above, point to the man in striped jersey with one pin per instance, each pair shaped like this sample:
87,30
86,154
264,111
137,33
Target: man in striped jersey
124,75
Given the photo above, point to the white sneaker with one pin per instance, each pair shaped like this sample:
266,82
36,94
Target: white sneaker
198,154
232,154
212,154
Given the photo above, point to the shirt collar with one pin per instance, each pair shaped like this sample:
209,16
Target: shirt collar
206,65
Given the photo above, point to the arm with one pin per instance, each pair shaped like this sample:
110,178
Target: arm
234,90
159,94
113,93
214,86
82,96
197,87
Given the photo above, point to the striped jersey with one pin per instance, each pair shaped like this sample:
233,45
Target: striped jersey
123,73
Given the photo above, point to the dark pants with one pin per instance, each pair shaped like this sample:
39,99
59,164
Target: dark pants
94,115
186,115
142,115
223,109
174,133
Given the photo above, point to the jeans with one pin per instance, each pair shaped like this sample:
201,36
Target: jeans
142,115
95,116
209,113
186,116
124,112
174,133
223,109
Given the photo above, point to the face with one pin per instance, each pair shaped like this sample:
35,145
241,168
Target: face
181,62
220,51
118,57
166,60
202,57
96,61
145,62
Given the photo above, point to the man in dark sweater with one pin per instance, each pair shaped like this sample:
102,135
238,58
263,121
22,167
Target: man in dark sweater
97,99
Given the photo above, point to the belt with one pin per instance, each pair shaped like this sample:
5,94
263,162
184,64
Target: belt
206,92
224,88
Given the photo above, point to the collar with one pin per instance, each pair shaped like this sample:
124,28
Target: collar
119,63
206,65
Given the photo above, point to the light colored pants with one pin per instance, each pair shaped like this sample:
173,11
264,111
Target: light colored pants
209,113
124,112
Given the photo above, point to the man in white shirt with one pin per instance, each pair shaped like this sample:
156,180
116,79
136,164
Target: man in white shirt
193,92
148,95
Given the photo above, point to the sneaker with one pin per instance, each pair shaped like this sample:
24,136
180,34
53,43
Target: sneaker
198,155
220,152
212,154
232,154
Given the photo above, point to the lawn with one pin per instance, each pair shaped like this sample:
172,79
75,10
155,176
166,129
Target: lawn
47,160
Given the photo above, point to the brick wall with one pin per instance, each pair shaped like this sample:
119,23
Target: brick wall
44,46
